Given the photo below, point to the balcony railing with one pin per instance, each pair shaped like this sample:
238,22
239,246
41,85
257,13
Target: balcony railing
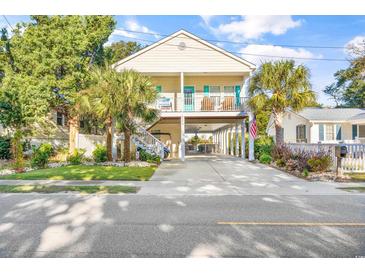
171,102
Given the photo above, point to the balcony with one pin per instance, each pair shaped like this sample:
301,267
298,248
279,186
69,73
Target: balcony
195,102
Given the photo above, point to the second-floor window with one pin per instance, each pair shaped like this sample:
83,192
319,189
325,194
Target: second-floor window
228,90
214,90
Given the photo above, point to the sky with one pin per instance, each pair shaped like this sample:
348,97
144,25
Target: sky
260,35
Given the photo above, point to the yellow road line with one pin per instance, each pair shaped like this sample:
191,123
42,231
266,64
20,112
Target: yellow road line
289,224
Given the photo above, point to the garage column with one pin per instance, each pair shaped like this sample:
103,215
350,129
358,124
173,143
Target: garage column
243,139
231,151
182,123
237,152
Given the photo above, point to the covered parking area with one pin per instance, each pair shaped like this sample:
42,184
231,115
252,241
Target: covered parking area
227,131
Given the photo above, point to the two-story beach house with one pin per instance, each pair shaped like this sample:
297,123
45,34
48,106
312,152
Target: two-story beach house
202,90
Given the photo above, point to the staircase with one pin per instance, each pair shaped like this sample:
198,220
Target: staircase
145,140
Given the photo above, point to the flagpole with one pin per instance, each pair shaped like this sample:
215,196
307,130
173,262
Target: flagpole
251,141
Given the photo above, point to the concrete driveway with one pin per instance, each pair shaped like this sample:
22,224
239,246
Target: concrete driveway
224,175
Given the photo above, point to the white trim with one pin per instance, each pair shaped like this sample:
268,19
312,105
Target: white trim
192,36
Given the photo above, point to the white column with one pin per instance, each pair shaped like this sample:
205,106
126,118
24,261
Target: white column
237,142
227,141
243,139
230,141
224,137
251,141
114,142
182,129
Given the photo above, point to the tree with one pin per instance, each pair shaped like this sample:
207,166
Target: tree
280,85
138,94
349,88
59,51
24,99
120,50
103,99
119,97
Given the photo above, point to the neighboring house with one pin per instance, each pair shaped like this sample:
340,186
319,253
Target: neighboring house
322,125
201,86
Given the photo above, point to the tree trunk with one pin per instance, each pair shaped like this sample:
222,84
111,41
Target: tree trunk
127,145
279,138
109,138
74,128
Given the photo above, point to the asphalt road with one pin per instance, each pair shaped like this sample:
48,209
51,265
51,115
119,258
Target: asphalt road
70,225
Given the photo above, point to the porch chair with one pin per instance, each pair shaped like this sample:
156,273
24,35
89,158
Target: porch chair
228,103
207,104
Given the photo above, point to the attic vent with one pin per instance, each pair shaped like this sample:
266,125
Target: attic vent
181,46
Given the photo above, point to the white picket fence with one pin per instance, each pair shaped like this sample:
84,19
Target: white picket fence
353,162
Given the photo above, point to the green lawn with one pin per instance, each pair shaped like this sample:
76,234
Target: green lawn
55,189
86,173
353,189
357,176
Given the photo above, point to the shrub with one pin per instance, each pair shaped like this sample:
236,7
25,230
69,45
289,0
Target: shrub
281,152
305,172
148,157
100,154
41,155
302,158
291,165
265,159
280,163
76,157
320,162
263,145
60,154
5,150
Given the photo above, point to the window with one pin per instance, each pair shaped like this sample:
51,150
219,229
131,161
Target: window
229,91
330,132
301,134
361,131
214,90
59,119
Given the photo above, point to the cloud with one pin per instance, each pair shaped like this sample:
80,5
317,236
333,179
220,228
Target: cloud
132,25
271,50
255,26
355,46
207,18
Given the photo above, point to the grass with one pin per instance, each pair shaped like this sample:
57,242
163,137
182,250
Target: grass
81,172
353,189
357,176
55,189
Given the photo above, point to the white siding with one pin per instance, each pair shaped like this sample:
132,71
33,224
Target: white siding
196,57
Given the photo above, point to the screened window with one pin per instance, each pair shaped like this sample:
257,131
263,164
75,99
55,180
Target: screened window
214,90
301,134
361,131
330,132
229,91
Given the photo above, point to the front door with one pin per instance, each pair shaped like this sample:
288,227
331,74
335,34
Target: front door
188,98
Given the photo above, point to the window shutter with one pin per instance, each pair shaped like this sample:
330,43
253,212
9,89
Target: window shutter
338,132
297,133
206,90
159,89
237,91
354,132
304,133
321,132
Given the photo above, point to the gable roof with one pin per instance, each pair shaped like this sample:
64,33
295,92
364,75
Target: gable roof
331,114
192,36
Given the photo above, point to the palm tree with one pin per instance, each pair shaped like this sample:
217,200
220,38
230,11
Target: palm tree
280,85
121,98
103,100
138,95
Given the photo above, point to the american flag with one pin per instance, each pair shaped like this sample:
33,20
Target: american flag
253,129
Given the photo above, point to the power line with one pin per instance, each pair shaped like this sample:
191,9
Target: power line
240,43
248,54
6,19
